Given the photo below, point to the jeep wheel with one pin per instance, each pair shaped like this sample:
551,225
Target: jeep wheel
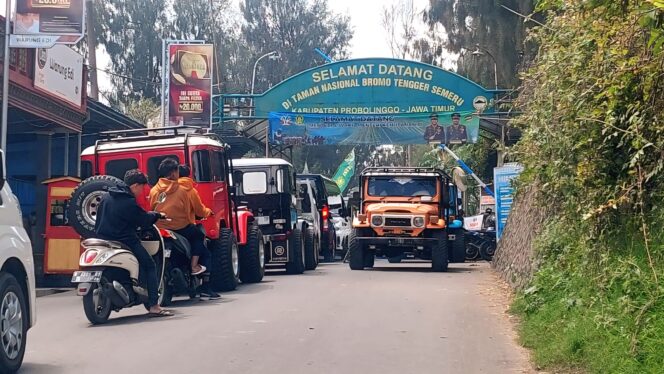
84,202
310,250
252,257
369,258
356,251
458,246
224,262
296,248
440,251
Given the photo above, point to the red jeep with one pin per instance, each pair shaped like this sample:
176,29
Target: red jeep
234,240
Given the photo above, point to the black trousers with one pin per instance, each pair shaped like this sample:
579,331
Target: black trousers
148,268
196,239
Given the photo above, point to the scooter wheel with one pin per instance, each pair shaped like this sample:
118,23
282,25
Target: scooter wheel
96,305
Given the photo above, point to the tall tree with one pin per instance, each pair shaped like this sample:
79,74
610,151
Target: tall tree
488,24
294,28
131,32
398,20
216,22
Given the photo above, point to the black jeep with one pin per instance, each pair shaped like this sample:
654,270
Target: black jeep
267,187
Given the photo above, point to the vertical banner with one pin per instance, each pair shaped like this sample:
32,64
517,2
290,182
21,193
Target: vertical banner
190,84
43,23
502,178
345,171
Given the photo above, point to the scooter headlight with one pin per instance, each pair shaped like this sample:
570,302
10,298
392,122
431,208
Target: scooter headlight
418,221
376,220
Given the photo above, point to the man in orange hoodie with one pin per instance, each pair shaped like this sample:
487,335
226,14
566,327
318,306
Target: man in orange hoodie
171,198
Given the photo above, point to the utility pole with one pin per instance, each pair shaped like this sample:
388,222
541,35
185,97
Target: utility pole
5,79
92,49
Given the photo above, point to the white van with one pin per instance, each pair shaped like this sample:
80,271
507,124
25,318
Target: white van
17,279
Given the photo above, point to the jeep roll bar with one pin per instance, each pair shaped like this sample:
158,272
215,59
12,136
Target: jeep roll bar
150,129
443,202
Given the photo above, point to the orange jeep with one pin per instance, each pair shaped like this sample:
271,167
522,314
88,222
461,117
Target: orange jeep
406,212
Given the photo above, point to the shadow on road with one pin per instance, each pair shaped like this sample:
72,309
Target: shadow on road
404,268
247,289
32,368
138,319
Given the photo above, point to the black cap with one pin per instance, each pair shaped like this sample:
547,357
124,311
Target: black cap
456,115
434,115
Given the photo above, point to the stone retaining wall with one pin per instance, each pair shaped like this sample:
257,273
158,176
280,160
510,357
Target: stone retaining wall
514,258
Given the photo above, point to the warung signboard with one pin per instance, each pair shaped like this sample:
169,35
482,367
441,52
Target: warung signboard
59,71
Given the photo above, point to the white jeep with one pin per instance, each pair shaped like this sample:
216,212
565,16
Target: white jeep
17,279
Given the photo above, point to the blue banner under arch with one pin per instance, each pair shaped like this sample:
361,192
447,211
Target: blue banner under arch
320,129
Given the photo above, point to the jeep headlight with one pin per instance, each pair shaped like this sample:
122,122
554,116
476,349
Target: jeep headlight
376,220
418,221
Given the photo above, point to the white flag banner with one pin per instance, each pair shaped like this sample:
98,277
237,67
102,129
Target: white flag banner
473,223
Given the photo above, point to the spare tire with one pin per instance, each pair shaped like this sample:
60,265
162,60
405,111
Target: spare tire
82,211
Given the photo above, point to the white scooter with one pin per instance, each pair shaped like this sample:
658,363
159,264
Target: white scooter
110,277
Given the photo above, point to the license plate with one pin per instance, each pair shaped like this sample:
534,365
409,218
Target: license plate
86,277
263,220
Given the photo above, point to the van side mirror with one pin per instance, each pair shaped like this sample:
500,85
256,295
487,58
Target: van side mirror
3,176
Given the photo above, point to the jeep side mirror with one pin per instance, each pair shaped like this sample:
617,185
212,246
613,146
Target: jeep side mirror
3,176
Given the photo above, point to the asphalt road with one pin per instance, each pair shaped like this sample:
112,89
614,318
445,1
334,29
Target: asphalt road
393,319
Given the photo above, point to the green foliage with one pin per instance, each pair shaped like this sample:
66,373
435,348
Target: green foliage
132,31
593,303
592,138
143,110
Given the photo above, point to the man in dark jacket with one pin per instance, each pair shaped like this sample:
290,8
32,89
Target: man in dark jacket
118,217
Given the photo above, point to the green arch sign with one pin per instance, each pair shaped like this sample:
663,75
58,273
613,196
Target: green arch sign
375,86
374,101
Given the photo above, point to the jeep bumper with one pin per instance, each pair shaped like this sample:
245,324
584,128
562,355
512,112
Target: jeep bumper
397,241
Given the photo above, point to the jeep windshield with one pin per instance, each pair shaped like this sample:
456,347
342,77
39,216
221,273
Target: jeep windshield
401,186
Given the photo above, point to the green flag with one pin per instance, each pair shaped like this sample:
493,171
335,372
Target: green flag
345,171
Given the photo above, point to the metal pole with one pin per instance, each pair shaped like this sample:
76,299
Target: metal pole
92,46
5,78
495,72
253,82
78,155
164,77
501,153
66,155
253,110
267,140
467,169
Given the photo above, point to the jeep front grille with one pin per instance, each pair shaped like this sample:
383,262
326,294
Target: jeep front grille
397,221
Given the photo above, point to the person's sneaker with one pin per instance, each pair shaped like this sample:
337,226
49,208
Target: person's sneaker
208,294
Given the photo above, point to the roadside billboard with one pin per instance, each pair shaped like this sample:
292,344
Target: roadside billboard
43,23
59,72
189,84
502,179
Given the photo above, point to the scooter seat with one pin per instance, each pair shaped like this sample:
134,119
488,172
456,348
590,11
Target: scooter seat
110,244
